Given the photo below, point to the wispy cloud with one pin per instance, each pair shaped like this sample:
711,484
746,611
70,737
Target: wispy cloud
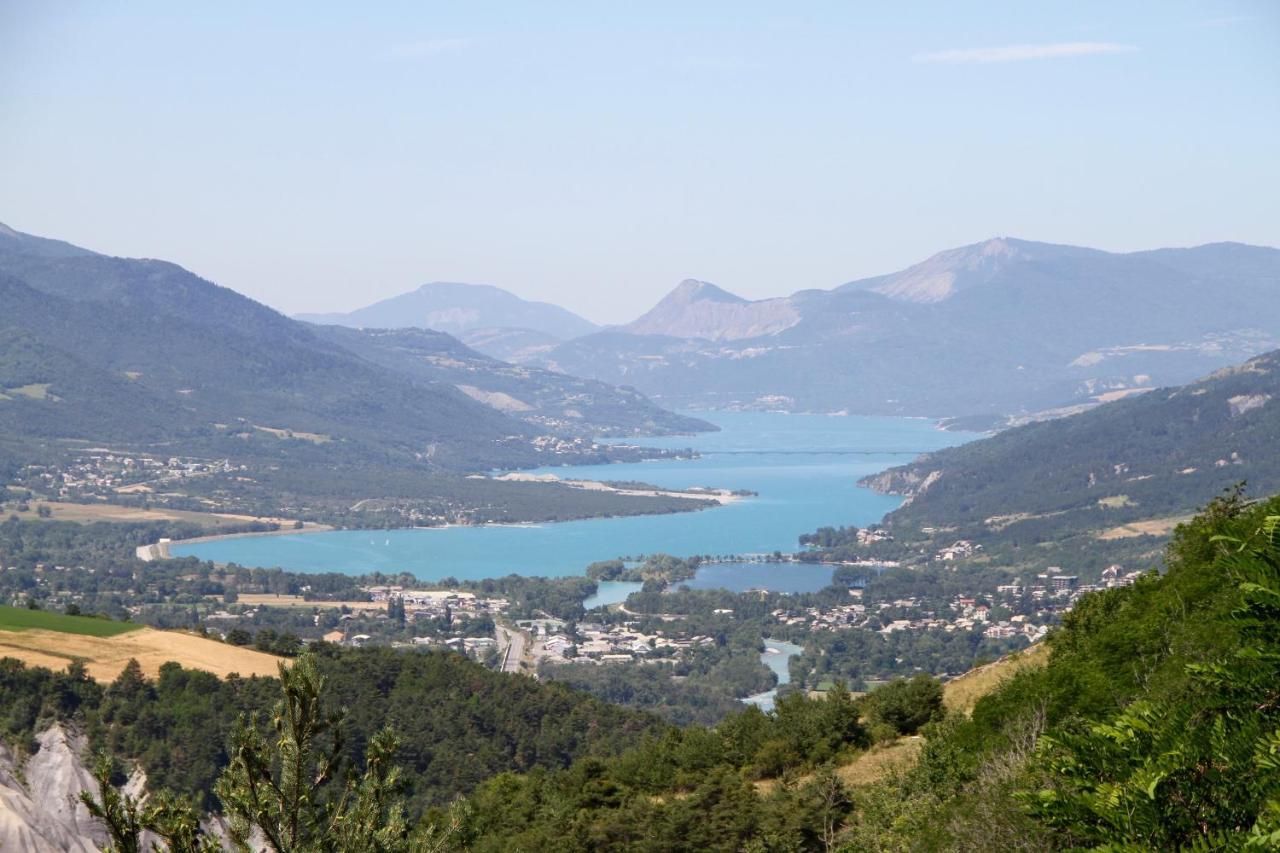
429,47
1227,21
705,62
1024,52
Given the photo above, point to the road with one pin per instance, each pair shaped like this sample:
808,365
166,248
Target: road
513,643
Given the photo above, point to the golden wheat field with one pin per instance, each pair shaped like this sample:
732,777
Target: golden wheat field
105,657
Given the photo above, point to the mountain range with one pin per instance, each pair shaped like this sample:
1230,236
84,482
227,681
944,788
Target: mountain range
994,333
1001,328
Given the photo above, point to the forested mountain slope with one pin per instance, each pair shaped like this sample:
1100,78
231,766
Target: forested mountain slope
193,355
550,402
1151,456
141,358
460,722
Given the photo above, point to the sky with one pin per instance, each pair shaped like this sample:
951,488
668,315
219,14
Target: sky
321,156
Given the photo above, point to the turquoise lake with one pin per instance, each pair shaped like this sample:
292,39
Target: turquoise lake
804,467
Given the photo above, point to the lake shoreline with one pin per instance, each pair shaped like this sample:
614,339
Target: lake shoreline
786,461
160,550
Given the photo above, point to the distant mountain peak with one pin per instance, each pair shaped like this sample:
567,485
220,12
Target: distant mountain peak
461,287
459,308
693,290
699,309
947,273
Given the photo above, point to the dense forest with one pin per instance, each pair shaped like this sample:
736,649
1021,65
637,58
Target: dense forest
459,722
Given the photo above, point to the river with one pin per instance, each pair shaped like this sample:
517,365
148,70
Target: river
777,656
803,467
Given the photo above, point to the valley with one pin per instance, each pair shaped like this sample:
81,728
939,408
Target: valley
639,428
827,557
817,596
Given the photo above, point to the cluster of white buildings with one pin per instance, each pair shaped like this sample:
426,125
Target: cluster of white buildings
1053,584
967,615
609,644
818,618
432,603
872,535
958,550
106,471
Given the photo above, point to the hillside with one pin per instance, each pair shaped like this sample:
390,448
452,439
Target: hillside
155,363
1148,457
1148,719
999,328
188,354
511,345
550,402
461,308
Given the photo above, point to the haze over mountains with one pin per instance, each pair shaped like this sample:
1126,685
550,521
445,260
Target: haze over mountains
459,309
1005,327
1000,330
139,349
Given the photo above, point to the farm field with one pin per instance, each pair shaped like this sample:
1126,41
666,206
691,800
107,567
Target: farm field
259,599
105,656
88,513
1150,527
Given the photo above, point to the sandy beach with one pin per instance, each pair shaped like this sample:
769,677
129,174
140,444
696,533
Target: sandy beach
721,496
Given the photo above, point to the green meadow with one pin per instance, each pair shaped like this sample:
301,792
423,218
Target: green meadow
22,619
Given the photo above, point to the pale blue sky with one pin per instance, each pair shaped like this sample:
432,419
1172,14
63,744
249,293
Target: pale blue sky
318,156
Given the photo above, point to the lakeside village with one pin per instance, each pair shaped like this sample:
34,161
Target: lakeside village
515,637
99,473
105,474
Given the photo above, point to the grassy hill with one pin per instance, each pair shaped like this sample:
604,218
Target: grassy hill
23,619
959,695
